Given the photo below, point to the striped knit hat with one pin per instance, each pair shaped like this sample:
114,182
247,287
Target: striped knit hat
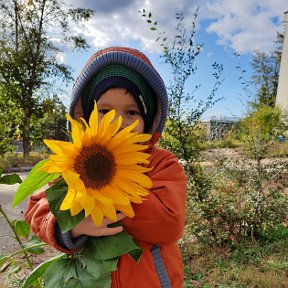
127,68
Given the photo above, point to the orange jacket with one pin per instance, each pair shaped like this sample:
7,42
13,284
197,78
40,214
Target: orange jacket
159,220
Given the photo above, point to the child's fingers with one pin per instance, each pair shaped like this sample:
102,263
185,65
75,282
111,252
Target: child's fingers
106,221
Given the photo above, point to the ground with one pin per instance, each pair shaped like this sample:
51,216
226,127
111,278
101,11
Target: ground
7,243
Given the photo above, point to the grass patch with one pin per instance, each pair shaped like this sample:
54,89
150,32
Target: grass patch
214,269
263,264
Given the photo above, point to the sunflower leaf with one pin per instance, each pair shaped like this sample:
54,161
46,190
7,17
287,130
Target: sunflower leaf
55,195
80,272
105,248
34,181
10,179
40,270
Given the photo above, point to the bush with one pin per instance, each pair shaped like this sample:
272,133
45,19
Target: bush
240,197
14,161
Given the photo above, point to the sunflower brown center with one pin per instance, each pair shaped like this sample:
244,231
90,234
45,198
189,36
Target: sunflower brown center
95,165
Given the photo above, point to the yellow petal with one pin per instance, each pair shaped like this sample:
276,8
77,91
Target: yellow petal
76,207
132,158
87,136
88,203
76,131
97,215
68,200
126,209
110,131
72,179
105,204
140,179
116,193
133,190
93,121
127,149
50,167
140,138
59,147
105,122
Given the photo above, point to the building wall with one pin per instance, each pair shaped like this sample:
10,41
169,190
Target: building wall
282,91
217,129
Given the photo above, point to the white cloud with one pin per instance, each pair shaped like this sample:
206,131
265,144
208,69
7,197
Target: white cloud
60,57
244,26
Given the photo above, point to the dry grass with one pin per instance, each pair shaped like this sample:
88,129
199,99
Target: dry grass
218,268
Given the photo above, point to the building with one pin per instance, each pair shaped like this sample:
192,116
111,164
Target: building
217,127
282,90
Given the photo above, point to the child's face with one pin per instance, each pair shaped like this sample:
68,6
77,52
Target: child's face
125,106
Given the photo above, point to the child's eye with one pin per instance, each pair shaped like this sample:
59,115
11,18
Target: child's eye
103,111
133,113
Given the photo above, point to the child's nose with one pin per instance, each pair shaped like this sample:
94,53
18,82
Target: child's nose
124,123
124,119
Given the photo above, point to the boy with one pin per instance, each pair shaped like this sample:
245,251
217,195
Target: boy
124,79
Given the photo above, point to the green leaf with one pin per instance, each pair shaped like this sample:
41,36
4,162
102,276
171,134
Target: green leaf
14,269
32,246
3,259
10,179
21,227
79,272
4,266
34,181
55,195
105,248
40,270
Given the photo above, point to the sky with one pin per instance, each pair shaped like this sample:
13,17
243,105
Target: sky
224,27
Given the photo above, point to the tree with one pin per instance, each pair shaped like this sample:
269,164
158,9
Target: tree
7,115
266,74
49,122
28,50
184,109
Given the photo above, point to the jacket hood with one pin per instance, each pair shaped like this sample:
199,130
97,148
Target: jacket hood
135,60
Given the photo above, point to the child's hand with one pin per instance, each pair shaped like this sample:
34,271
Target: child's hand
88,227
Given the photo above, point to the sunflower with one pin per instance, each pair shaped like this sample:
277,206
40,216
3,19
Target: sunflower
103,166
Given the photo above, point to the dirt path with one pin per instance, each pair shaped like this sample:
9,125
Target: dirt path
9,244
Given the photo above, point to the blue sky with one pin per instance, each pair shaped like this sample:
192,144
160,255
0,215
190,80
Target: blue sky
223,26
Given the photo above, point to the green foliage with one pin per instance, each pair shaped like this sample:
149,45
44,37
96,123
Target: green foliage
266,74
184,111
243,196
34,181
55,195
261,129
248,264
49,122
9,179
99,255
28,66
21,230
91,267
7,115
40,270
238,198
11,161
79,272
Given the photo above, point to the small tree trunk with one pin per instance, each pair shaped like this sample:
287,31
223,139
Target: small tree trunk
26,133
26,147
